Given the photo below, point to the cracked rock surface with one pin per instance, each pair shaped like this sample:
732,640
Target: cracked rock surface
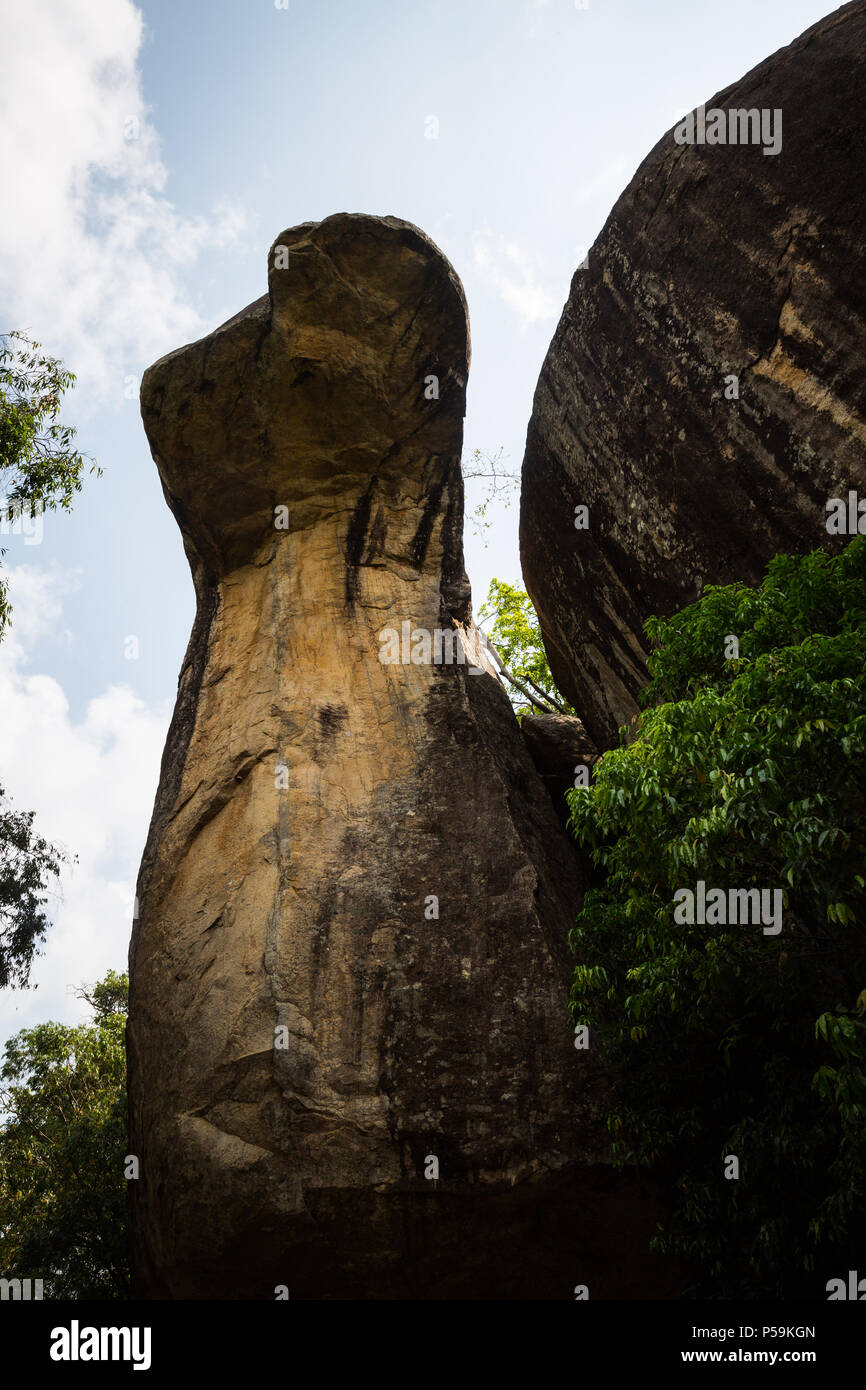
305,1034
718,261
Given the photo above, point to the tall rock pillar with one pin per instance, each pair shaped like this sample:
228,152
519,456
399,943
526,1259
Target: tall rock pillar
352,1072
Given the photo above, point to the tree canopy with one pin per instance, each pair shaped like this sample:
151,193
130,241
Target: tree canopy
517,646
40,468
63,1201
722,1040
28,864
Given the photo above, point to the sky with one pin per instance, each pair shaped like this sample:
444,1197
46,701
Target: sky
149,156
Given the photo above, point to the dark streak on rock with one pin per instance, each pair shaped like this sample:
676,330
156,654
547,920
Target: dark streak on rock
421,538
331,719
355,538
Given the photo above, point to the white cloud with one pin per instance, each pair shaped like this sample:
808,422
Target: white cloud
92,254
91,785
508,269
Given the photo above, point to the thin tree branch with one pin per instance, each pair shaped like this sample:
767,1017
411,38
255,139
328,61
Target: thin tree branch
512,679
552,698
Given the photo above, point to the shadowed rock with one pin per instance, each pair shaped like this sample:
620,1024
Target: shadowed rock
559,747
718,262
351,956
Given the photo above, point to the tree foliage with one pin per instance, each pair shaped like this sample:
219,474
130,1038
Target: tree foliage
721,1040
519,649
40,468
63,1202
28,865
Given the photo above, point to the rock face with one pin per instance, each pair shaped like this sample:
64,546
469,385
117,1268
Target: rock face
351,954
719,261
558,746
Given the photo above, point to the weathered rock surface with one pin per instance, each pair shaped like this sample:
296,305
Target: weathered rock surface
558,745
312,801
717,261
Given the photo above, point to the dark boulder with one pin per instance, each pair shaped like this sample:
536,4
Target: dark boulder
704,395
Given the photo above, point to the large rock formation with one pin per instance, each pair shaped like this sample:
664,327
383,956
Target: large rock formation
719,261
351,954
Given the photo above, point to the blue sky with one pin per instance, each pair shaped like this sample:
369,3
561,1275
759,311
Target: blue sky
150,154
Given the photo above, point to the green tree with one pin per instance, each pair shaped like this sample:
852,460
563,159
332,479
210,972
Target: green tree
721,1040
514,640
28,864
40,469
63,1202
